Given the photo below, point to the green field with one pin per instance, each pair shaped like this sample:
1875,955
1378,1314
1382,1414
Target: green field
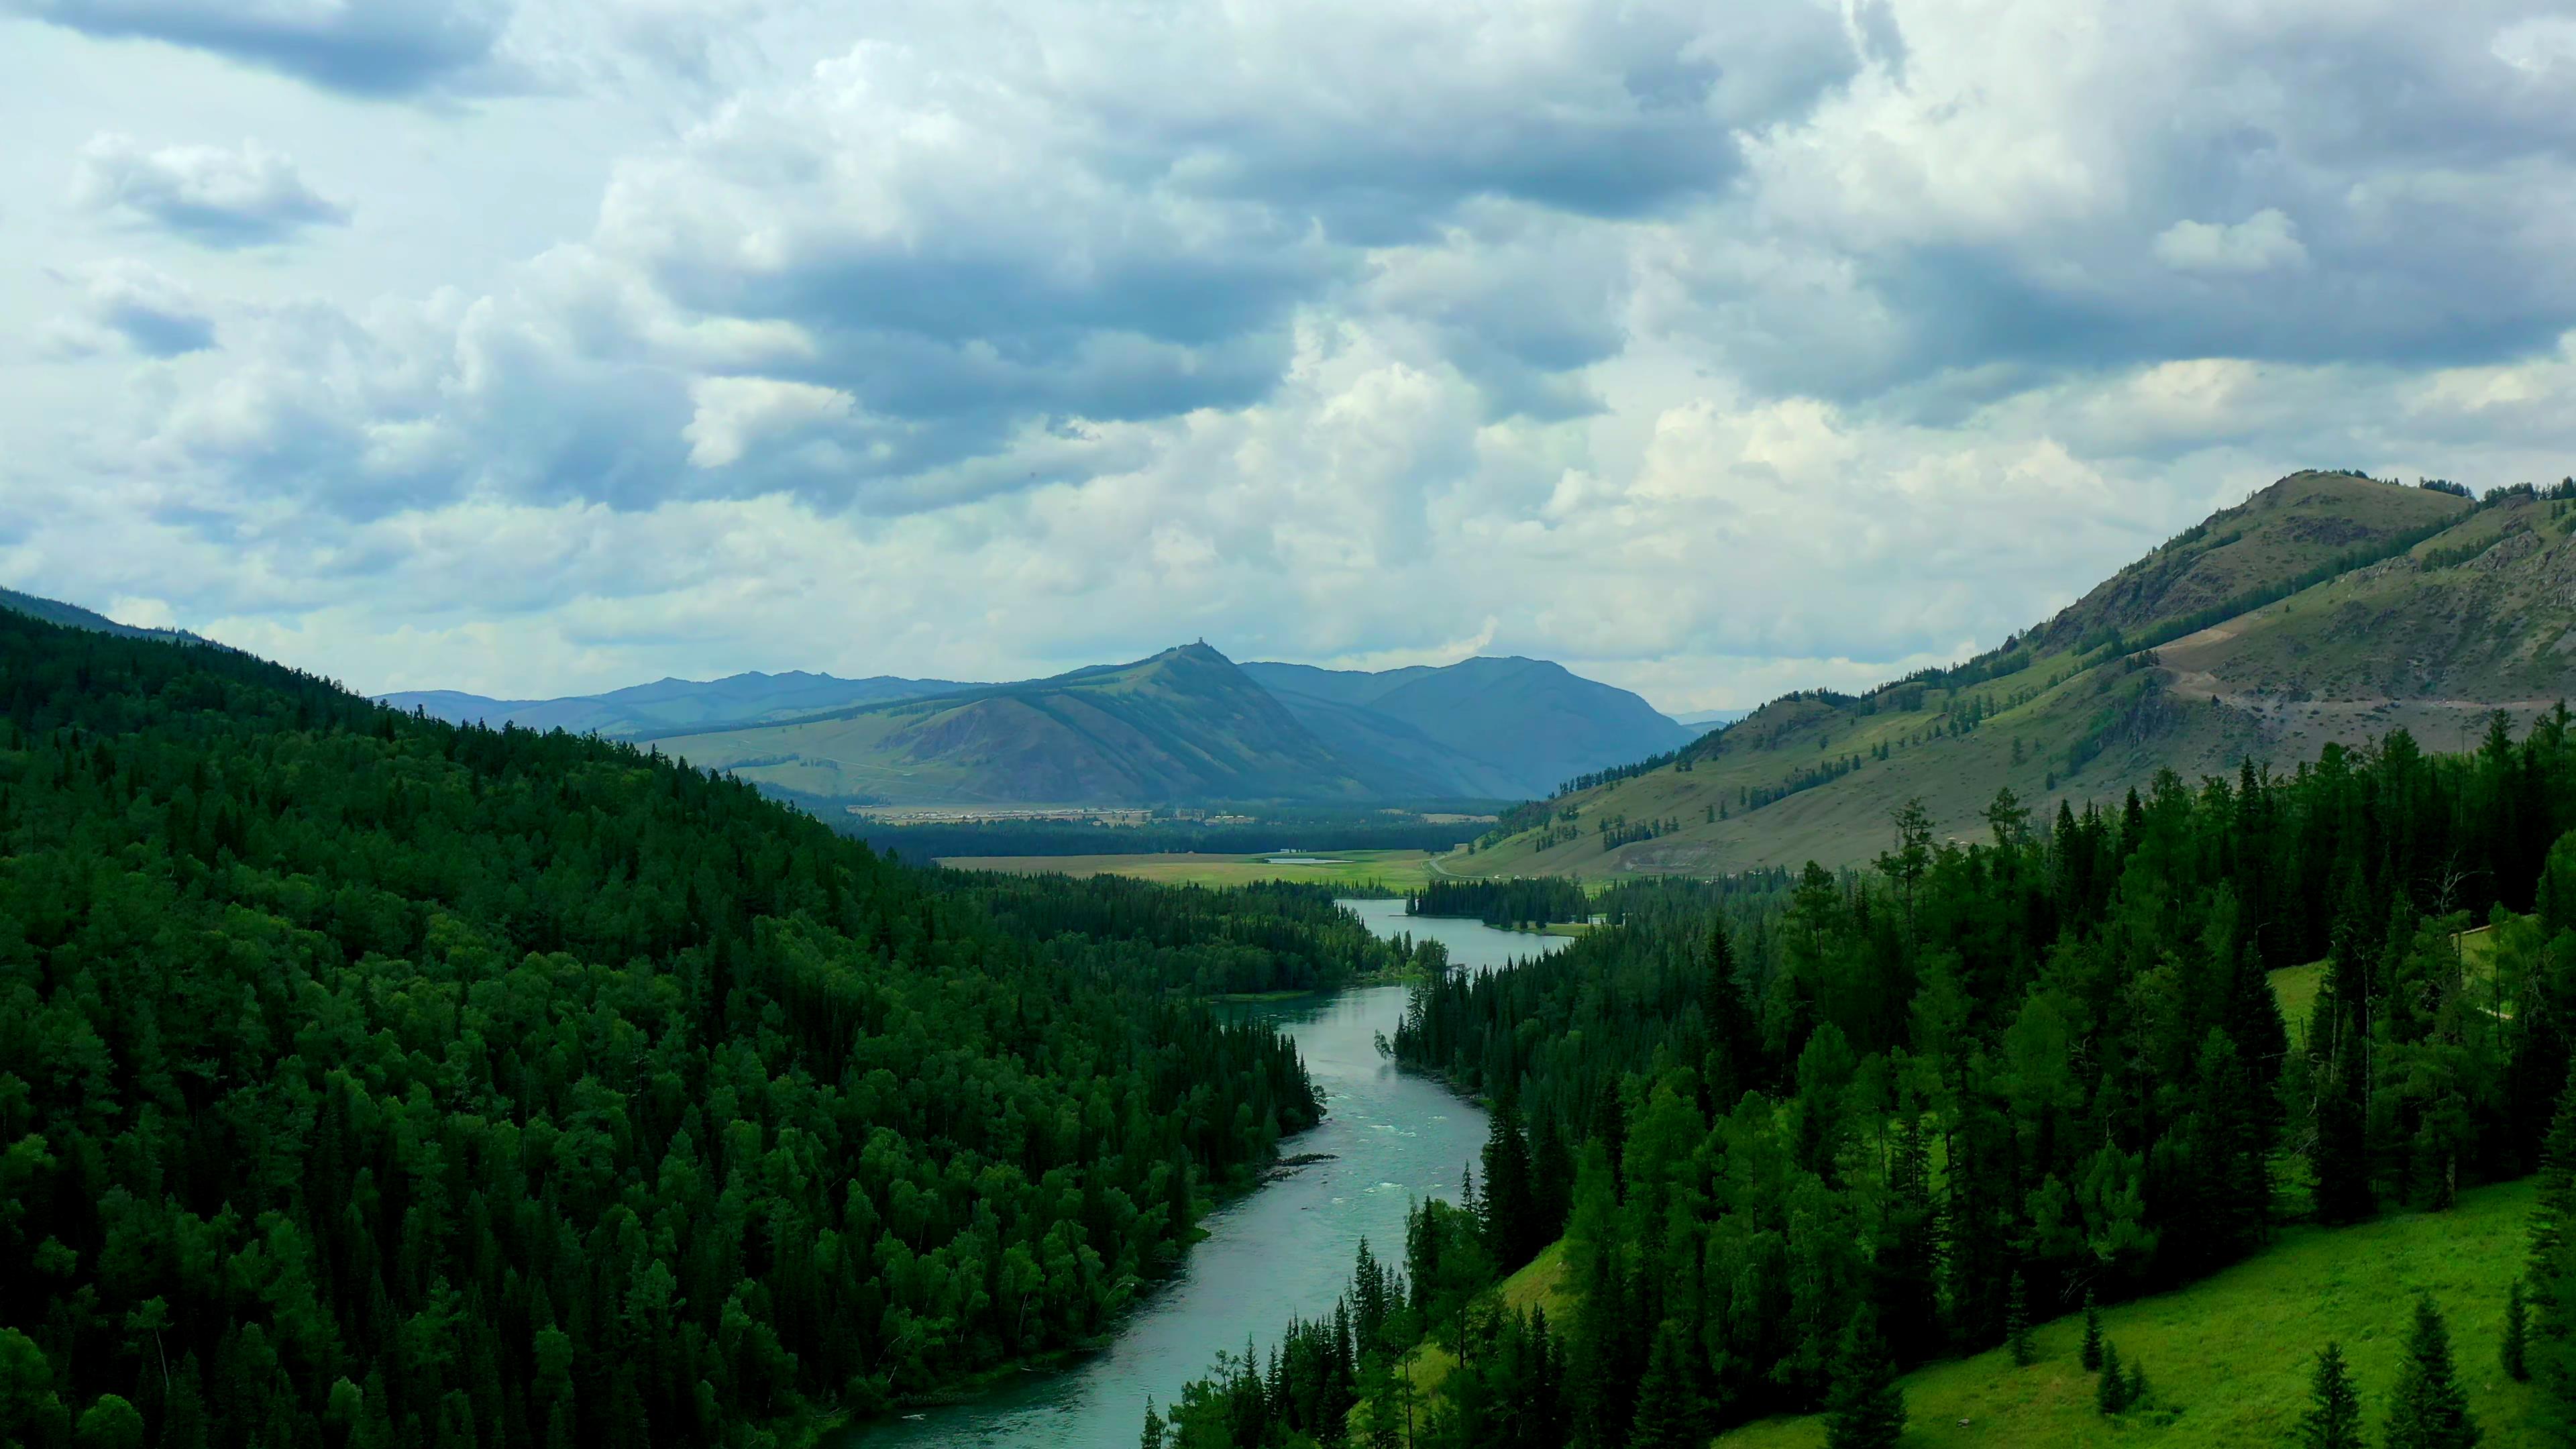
2229,1357
1393,869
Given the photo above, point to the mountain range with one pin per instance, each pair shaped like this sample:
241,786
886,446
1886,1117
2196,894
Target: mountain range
1186,725
1189,725
2328,608
643,711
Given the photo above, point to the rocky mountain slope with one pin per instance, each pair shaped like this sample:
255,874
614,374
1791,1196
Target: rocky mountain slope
2327,608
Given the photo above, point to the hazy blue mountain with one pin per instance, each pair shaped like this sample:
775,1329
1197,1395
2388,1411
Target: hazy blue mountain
1402,760
674,704
1526,723
1700,722
1184,725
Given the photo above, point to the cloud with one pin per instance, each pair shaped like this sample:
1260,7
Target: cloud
735,413
151,312
2263,242
1716,350
368,48
204,194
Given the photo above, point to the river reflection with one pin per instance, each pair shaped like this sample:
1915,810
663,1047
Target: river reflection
1388,1139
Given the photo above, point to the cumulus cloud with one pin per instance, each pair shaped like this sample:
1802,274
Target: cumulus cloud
732,414
1718,351
2263,242
205,194
370,48
149,311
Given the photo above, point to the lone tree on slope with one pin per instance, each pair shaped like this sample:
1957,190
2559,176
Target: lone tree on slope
2428,1409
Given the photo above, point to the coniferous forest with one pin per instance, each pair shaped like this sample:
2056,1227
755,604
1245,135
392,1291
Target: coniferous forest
369,1082
1826,1127
1533,902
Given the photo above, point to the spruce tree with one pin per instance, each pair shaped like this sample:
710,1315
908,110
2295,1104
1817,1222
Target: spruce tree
1153,1435
2090,1354
1667,1408
2333,1420
2017,1323
2428,1409
2111,1392
1735,1040
2135,1395
2338,1036
1509,1224
1908,1261
2254,1014
2515,1360
1865,1408
1551,1179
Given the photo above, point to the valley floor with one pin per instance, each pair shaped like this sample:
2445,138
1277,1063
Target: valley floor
2229,1357
1395,870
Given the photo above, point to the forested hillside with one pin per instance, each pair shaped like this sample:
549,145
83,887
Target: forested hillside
1829,1126
369,1081
55,611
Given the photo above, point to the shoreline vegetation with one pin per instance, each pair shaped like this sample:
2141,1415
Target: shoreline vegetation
1827,1129
820,1425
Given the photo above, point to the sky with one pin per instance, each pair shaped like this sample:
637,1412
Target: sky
537,347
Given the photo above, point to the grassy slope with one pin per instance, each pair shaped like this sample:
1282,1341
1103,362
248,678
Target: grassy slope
2228,1357
1540,1283
2401,642
1393,868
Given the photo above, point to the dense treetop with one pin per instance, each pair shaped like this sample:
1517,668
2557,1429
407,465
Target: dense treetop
370,1081
2049,1057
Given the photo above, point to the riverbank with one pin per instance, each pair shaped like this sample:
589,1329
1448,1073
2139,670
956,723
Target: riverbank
1389,1139
821,1426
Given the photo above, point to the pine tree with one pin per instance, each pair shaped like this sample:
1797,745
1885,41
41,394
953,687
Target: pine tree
2135,1394
2333,1420
1908,1261
1551,1179
2111,1393
2090,1355
1153,1435
1734,1059
2017,1323
1865,1409
1509,1224
2516,1335
1667,1409
2339,1034
2428,1409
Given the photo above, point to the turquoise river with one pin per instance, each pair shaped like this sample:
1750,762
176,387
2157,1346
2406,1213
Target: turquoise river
1387,1139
